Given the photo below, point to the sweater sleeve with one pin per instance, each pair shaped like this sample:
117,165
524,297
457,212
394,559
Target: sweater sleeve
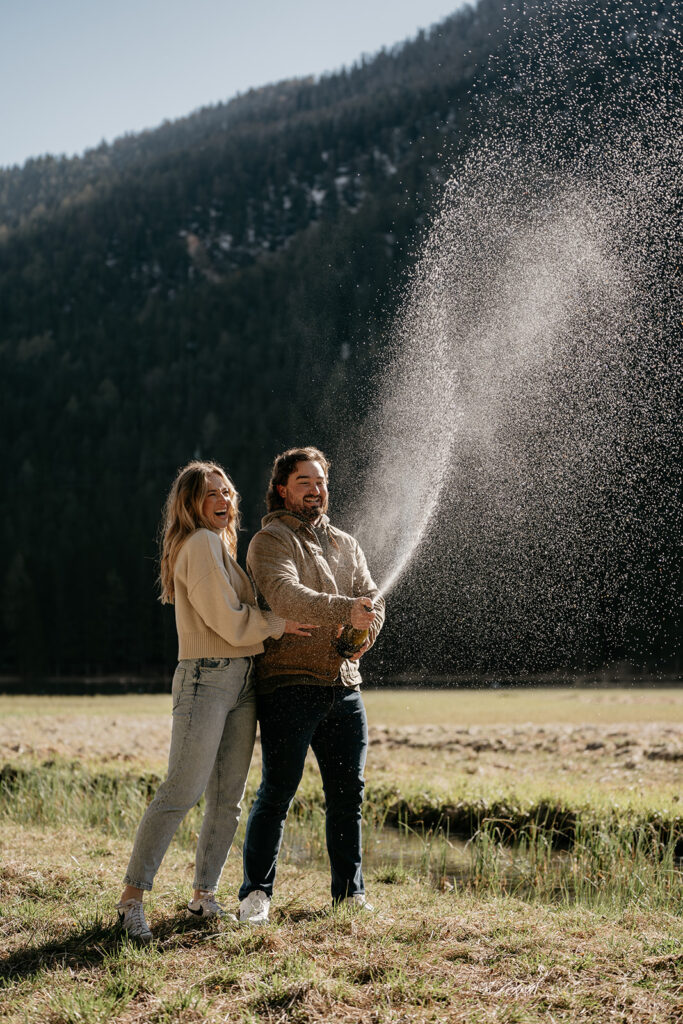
212,595
363,584
275,574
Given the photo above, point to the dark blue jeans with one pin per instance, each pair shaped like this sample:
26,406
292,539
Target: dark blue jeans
331,720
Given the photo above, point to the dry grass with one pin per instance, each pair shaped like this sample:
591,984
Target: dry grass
445,956
433,954
578,745
524,705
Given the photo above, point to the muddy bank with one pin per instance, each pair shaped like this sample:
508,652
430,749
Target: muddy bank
507,821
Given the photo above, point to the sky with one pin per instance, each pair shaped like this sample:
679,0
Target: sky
75,72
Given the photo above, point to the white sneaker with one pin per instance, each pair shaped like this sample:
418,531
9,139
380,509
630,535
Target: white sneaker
132,920
254,908
359,902
207,906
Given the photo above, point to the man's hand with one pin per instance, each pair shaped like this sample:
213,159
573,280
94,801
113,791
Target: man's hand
299,628
359,654
362,615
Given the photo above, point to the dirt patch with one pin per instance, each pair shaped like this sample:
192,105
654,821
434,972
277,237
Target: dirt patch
623,754
143,741
630,755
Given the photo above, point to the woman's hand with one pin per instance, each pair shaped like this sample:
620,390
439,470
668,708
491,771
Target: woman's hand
299,628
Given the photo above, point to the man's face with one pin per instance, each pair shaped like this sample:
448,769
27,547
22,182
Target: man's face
305,491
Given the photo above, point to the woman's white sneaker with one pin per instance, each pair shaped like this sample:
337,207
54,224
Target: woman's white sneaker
207,906
132,920
254,908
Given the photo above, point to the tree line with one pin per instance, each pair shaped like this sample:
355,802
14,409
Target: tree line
219,287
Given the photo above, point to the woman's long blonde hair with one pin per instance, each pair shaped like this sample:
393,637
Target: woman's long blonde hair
183,515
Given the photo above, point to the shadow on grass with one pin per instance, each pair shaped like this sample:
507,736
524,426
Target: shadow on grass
298,914
90,946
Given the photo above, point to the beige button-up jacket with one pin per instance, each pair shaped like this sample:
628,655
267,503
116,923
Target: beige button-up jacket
295,580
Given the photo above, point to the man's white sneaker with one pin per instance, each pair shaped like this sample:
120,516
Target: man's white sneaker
359,902
254,908
132,920
207,906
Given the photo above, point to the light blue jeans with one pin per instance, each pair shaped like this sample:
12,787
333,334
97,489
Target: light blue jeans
214,723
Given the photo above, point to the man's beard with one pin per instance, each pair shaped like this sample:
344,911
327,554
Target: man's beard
312,512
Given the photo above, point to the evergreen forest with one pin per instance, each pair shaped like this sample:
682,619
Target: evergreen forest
218,287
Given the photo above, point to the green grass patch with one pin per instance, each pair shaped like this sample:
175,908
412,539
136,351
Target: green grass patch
543,850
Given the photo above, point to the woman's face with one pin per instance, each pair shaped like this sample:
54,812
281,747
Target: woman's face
216,504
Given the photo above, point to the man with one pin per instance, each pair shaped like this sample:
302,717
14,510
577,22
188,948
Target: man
307,693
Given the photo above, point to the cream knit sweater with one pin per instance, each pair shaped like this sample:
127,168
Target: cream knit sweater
215,605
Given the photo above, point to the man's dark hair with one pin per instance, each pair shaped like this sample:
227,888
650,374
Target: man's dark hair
283,467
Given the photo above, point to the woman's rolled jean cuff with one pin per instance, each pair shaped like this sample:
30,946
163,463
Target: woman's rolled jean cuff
145,886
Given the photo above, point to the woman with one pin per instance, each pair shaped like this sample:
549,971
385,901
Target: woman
214,718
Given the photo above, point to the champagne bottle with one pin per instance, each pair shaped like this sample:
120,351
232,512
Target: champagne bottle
350,640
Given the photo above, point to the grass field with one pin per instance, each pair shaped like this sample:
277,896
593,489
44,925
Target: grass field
525,932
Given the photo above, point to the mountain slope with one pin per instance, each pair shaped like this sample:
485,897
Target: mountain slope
220,286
